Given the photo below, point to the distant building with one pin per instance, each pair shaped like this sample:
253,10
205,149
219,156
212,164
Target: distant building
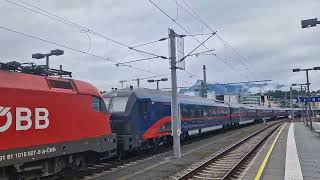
228,98
251,99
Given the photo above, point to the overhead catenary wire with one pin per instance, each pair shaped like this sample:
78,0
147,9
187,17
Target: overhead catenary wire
198,18
231,83
89,48
201,34
140,69
137,60
192,75
148,77
144,77
221,59
196,48
183,28
148,43
162,39
201,53
73,24
71,48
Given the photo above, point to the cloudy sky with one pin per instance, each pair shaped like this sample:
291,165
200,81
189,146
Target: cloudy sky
266,34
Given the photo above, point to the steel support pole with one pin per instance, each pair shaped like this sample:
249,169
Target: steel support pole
138,82
306,113
157,85
315,109
229,91
308,94
302,114
47,62
205,95
174,100
313,106
317,103
291,103
306,107
60,70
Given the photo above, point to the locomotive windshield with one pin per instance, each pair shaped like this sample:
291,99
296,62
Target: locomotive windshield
116,104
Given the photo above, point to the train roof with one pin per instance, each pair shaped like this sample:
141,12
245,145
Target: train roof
164,96
16,80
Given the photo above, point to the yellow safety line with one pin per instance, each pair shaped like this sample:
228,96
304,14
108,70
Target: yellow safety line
266,158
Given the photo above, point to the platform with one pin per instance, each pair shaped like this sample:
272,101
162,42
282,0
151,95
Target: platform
164,166
293,152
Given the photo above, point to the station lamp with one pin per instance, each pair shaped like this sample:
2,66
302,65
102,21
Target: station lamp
56,52
296,70
38,56
309,23
157,80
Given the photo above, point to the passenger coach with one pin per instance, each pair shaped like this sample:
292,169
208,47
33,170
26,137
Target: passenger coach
141,118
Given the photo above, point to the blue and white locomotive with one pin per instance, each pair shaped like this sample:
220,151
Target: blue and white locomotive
141,118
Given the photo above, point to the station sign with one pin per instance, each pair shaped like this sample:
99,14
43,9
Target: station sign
301,99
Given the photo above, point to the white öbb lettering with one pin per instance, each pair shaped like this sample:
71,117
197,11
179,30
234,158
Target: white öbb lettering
23,118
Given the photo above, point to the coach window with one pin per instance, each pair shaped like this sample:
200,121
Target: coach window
143,107
98,104
225,111
95,104
197,112
218,110
203,112
192,113
184,111
189,115
60,84
209,111
103,107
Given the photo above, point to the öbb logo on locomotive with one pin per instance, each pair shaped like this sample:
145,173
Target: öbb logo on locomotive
23,117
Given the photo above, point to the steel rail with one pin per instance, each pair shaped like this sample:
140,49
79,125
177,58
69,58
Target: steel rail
224,153
238,165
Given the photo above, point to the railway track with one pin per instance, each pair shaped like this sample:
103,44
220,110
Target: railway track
102,168
230,163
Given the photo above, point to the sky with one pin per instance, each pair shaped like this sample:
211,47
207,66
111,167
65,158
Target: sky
265,37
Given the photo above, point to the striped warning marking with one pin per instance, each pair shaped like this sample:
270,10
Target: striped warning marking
293,168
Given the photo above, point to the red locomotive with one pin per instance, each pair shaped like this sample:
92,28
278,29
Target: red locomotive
49,123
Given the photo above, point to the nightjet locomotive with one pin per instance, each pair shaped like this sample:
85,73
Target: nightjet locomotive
141,118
